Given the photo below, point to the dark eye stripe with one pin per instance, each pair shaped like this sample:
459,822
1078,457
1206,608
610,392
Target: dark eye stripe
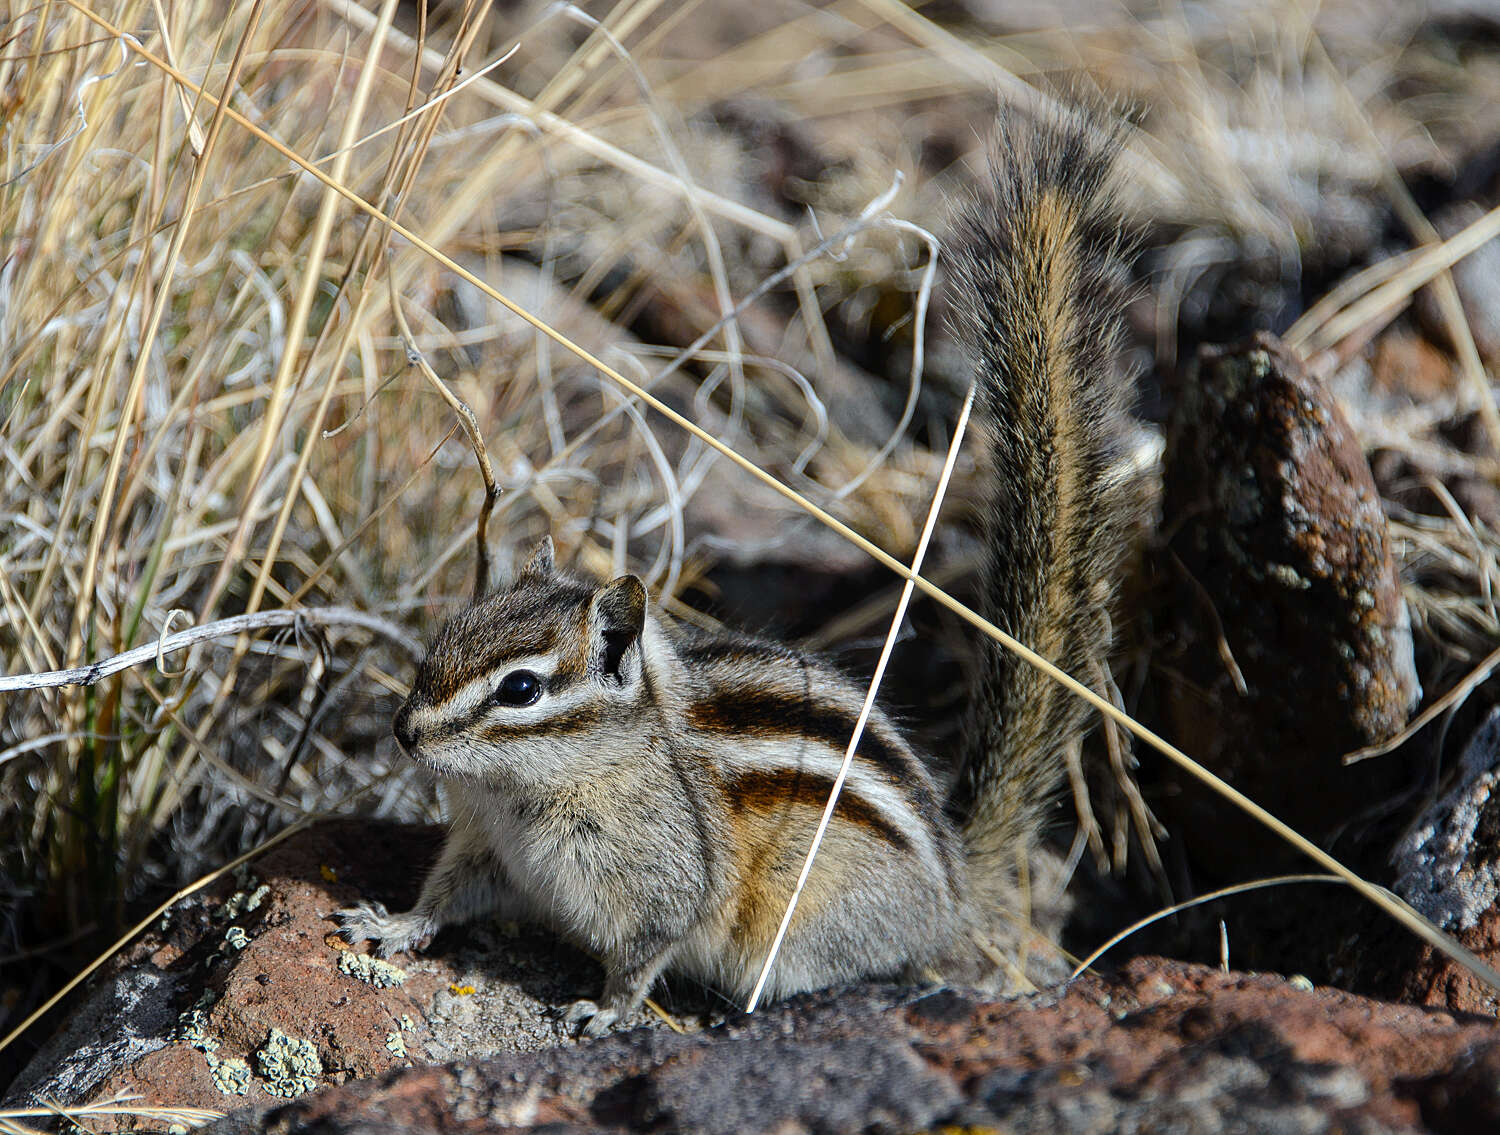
584,719
562,680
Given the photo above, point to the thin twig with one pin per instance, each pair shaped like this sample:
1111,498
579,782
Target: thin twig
1384,301
195,132
1167,912
1457,694
1444,289
119,1105
470,425
221,628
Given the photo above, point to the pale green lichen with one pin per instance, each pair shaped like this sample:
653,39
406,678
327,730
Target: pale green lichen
241,902
231,1075
395,1045
236,938
289,1064
192,1023
192,1028
363,967
406,1023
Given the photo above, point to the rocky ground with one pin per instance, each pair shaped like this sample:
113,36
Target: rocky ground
244,1002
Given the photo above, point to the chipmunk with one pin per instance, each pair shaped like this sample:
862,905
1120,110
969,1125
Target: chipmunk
650,792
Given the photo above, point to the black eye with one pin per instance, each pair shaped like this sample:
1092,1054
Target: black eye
519,687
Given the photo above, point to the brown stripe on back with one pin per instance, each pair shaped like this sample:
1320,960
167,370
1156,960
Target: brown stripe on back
774,791
765,714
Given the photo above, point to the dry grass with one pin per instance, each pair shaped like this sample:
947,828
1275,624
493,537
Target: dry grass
107,1110
218,380
171,449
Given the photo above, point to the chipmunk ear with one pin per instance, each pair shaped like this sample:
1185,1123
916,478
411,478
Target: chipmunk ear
616,618
541,565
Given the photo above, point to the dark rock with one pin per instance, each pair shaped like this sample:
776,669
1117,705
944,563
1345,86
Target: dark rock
121,1021
1448,867
1292,640
1467,1099
850,1084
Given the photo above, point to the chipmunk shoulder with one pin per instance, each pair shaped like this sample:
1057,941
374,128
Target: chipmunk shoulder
650,793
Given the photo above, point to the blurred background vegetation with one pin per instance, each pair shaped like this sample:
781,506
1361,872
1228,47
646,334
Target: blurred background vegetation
219,379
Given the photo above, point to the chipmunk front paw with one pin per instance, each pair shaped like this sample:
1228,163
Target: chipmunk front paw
390,933
597,1021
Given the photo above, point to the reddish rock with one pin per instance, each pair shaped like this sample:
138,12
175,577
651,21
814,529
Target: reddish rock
135,1031
1164,1046
1292,645
286,977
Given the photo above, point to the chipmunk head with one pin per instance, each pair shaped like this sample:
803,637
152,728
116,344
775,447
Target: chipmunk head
532,682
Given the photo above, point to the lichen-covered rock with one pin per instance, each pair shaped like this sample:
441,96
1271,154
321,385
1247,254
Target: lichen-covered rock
120,1021
1163,1047
289,1065
279,1031
245,994
1448,867
1292,645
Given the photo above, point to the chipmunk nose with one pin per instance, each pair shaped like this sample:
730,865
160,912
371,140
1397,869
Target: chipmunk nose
401,727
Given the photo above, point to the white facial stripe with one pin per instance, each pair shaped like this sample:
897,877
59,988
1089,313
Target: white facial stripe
475,693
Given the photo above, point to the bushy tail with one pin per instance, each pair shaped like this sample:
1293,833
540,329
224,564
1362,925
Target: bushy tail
1040,290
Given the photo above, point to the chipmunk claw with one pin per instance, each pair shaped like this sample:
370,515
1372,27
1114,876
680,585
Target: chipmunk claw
595,1021
390,933
358,923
